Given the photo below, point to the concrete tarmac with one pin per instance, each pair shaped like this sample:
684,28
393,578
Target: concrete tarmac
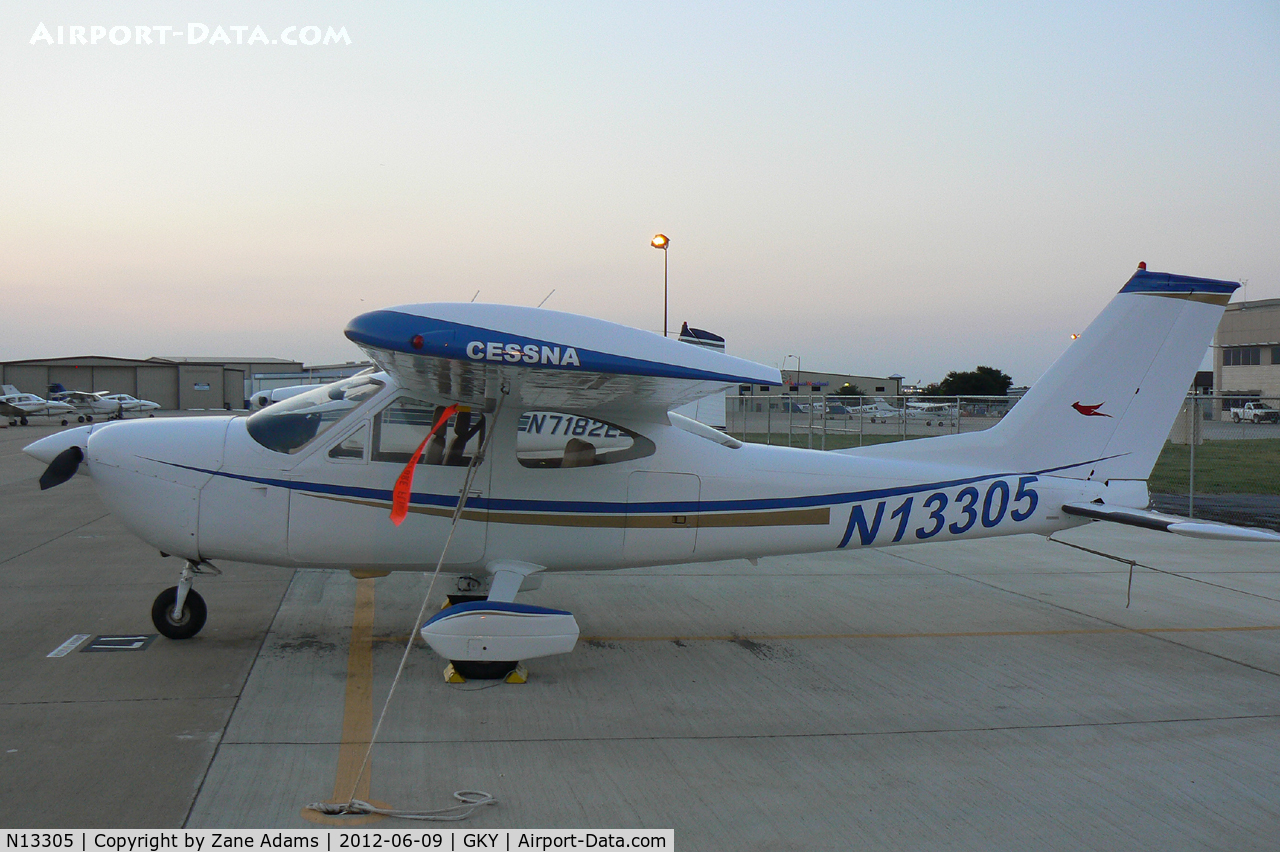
981,696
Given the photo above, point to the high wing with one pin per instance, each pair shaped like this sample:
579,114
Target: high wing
459,352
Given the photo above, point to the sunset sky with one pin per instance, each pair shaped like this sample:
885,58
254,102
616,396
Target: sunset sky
877,188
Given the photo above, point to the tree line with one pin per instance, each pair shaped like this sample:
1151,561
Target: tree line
983,381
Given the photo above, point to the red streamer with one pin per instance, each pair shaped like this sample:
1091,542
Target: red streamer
404,482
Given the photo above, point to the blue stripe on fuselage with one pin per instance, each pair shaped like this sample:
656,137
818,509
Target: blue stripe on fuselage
499,504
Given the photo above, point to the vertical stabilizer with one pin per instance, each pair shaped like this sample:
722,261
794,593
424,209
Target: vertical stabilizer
1102,411
1106,406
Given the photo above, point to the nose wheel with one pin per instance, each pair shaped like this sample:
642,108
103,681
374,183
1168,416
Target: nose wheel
188,620
179,612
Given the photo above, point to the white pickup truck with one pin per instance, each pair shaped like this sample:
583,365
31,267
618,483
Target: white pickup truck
1256,412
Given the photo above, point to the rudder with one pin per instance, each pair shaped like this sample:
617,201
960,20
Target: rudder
1103,410
1106,406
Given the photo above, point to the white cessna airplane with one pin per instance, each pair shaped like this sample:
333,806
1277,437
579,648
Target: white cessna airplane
123,402
88,404
564,455
266,397
878,408
18,406
942,413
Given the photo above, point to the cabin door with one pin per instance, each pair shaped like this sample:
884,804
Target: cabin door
662,522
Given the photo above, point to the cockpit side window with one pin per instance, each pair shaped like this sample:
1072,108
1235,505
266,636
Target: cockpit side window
351,448
399,428
549,439
292,424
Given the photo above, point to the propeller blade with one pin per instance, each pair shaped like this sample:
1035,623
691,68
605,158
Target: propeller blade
62,468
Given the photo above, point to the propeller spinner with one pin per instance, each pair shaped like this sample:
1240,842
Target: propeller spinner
63,467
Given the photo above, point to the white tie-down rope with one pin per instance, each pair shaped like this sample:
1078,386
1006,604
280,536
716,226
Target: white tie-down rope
468,800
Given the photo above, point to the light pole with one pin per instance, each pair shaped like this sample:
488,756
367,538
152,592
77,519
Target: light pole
660,242
784,363
791,400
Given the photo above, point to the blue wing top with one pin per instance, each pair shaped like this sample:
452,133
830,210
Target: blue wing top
458,351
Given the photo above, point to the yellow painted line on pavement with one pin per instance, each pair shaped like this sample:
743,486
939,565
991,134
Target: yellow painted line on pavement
357,715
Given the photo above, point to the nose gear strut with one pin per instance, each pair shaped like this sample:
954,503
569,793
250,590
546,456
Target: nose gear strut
179,612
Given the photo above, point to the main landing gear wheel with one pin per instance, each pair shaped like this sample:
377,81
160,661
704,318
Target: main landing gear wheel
194,613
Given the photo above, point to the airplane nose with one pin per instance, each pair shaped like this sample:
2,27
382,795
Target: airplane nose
47,449
149,474
183,450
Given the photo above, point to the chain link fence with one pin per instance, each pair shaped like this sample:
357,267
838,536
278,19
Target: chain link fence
822,422
1221,461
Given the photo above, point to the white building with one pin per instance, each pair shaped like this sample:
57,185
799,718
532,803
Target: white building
1246,358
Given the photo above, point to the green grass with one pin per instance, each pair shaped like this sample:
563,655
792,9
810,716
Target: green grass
1222,467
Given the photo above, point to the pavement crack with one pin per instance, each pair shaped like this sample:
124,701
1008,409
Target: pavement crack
896,732
52,540
235,704
84,701
1214,585
1100,619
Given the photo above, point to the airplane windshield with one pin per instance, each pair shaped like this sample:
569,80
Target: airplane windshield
293,423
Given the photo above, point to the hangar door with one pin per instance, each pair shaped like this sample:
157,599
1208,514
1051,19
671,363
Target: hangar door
199,387
160,385
233,388
28,378
116,379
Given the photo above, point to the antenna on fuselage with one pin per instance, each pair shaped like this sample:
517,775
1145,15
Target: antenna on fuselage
548,296
473,298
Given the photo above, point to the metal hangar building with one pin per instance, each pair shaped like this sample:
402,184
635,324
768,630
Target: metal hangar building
175,383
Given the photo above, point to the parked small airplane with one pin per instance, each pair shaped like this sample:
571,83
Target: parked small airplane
266,397
90,404
126,404
564,455
18,407
877,409
87,405
942,413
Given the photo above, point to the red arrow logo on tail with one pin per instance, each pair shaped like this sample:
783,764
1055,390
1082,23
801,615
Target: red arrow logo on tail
1090,410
